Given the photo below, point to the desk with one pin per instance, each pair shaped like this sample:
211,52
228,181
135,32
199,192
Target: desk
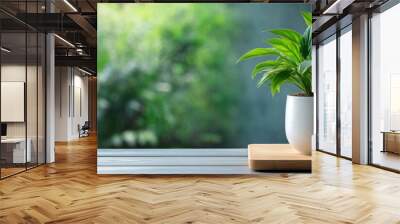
391,141
19,155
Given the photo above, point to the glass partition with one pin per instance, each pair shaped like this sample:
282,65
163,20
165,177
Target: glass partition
15,152
22,88
327,95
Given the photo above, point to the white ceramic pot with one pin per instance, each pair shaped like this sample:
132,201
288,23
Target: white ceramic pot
299,122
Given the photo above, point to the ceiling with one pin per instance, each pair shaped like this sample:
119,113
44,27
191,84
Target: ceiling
75,22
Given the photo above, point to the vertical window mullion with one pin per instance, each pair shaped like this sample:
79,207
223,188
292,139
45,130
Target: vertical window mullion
0,96
317,97
338,76
370,90
37,89
26,86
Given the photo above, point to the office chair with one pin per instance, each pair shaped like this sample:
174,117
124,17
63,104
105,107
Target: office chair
84,130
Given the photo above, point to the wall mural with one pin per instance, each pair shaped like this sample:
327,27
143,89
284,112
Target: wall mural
168,76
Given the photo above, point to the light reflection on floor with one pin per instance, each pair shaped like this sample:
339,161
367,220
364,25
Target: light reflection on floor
386,159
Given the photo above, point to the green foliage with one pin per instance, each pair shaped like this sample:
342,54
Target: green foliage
258,52
160,76
292,63
166,75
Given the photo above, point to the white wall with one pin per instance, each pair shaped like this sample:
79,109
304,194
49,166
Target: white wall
12,73
62,82
71,102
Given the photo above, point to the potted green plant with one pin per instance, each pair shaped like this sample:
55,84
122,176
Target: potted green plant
291,64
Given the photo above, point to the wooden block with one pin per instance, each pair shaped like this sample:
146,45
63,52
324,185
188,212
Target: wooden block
277,157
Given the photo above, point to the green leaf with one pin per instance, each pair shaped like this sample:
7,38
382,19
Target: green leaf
292,35
304,67
286,48
278,80
257,52
307,16
262,66
263,80
293,64
306,44
269,75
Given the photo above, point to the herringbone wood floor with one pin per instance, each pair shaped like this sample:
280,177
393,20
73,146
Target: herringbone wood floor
70,191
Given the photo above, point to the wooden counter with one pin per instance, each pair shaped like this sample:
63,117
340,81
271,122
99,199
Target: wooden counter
277,157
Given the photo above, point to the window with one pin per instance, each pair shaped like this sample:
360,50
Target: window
385,89
346,92
327,95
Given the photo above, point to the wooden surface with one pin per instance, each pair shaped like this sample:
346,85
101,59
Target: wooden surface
386,159
391,142
70,191
277,157
8,171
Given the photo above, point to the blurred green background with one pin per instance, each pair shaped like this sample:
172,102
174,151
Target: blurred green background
168,76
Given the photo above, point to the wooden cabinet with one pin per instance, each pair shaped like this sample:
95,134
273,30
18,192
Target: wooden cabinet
391,142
